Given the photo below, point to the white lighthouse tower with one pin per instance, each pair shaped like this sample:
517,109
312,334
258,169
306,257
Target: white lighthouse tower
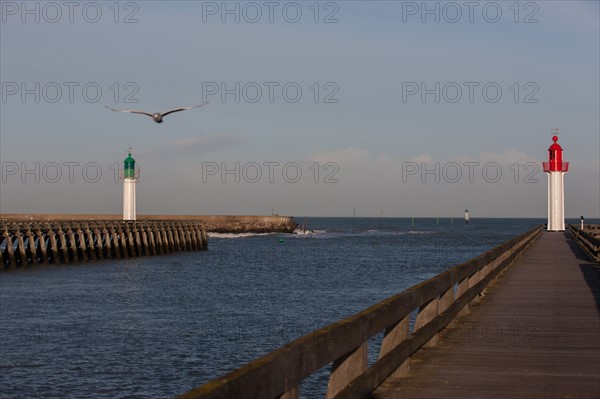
556,169
130,178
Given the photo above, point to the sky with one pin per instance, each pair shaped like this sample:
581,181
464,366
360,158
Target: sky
393,108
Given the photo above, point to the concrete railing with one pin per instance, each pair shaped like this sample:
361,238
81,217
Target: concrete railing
344,344
587,240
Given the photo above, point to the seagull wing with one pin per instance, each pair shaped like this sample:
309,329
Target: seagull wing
133,111
181,109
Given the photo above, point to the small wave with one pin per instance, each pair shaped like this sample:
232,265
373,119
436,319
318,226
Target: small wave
301,232
237,235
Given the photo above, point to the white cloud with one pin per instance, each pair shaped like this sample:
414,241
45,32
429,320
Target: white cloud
507,157
192,146
342,156
422,158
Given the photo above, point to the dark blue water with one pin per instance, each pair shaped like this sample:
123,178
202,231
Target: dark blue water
157,327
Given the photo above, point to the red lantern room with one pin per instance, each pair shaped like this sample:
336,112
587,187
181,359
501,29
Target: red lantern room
555,162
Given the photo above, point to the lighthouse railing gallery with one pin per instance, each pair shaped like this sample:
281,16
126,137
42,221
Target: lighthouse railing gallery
344,344
551,167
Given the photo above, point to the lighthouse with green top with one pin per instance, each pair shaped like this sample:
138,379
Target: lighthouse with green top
130,178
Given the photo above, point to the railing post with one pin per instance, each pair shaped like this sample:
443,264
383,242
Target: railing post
474,279
427,313
293,393
393,336
446,300
347,368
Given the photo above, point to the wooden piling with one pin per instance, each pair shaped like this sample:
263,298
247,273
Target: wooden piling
171,239
53,245
99,246
145,241
90,242
72,243
10,249
63,245
82,241
130,242
82,247
123,242
21,247
42,244
31,246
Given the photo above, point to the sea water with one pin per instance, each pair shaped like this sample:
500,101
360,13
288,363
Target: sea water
160,326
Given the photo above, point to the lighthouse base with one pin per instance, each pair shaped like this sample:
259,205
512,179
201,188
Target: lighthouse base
556,201
129,211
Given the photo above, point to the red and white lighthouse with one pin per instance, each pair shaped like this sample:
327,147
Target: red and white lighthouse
556,169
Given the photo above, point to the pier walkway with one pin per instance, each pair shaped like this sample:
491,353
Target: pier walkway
535,334
519,321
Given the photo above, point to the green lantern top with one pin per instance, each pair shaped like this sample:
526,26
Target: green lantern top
129,167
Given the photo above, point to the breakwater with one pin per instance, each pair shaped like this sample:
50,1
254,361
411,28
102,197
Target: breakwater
211,223
28,242
245,224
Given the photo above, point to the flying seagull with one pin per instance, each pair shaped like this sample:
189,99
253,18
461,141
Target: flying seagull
156,116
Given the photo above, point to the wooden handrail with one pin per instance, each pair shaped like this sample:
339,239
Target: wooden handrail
589,242
344,344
